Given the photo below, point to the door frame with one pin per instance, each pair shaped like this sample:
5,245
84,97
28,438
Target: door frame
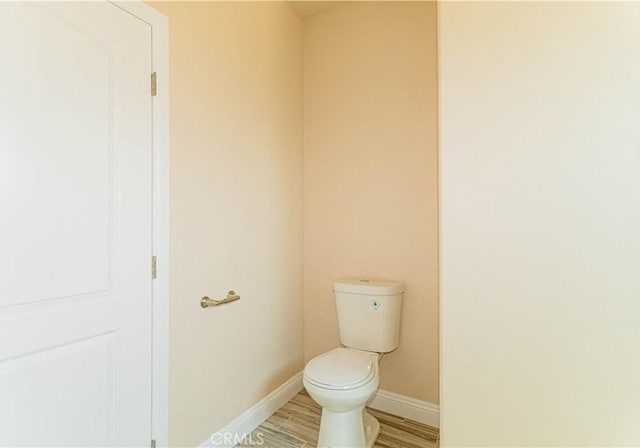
160,228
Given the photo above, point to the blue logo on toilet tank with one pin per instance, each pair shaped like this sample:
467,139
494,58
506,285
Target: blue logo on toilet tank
375,304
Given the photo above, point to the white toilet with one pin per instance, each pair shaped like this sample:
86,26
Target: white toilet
344,379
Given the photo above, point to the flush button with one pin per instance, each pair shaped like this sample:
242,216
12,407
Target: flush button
375,304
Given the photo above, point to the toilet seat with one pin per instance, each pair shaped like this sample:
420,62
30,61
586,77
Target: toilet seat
342,369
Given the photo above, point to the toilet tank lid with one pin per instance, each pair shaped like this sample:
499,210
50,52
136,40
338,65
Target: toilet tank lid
368,287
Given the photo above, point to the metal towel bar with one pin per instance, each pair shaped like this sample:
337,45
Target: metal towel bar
206,302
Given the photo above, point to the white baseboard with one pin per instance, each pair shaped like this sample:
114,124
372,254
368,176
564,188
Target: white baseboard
406,407
400,405
233,433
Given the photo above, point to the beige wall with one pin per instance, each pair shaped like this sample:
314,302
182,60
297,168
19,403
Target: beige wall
371,174
540,194
236,208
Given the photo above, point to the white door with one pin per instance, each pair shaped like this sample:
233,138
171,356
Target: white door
75,225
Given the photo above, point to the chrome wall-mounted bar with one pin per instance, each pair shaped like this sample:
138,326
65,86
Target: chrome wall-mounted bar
206,302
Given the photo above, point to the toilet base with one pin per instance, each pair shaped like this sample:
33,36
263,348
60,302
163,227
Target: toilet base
352,429
371,429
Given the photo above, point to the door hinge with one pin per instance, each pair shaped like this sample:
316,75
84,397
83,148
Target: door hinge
154,84
153,443
154,263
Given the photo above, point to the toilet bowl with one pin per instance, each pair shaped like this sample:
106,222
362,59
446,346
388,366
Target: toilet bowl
342,381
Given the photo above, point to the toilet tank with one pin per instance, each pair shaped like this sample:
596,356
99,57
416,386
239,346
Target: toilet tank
369,313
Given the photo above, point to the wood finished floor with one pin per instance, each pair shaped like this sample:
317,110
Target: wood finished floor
296,425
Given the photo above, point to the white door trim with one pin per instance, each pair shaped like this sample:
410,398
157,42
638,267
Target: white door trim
160,59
